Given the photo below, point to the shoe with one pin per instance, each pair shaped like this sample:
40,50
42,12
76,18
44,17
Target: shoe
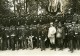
51,49
71,51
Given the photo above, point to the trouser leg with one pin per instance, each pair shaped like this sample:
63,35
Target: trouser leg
12,44
71,45
61,44
37,42
42,45
8,44
17,45
25,44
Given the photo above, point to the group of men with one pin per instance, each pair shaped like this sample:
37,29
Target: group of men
38,35
29,36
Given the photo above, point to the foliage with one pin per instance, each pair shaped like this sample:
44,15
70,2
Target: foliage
32,5
5,7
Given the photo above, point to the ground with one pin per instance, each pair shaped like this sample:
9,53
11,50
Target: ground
38,52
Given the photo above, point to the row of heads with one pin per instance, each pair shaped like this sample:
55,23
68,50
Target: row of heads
30,26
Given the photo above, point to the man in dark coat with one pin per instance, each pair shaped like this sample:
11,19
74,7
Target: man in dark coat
71,36
7,38
17,38
38,35
60,36
1,37
22,37
12,37
43,38
26,36
34,33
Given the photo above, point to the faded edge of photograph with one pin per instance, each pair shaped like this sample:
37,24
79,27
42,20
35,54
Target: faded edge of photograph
39,27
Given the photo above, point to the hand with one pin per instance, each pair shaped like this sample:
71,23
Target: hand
45,39
39,38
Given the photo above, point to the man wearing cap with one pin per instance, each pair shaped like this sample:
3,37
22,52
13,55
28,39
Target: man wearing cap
7,41
22,37
17,38
43,37
38,38
51,35
71,35
1,38
12,37
30,39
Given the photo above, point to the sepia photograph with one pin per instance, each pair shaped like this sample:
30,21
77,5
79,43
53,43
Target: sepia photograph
39,27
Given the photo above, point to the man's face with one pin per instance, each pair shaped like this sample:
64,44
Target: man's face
51,25
59,25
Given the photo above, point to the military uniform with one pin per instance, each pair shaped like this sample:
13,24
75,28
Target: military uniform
43,38
1,38
60,36
26,38
17,38
30,42
22,37
24,44
4,44
7,38
1,41
34,33
78,40
38,35
51,35
27,34
71,35
12,37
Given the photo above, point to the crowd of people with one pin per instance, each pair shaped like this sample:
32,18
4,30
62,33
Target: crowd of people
54,34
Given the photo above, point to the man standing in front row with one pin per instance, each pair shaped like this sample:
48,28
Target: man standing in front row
51,35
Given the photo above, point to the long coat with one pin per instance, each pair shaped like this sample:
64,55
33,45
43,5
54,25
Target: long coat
60,32
51,34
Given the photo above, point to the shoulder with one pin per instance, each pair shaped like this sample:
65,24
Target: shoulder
54,27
